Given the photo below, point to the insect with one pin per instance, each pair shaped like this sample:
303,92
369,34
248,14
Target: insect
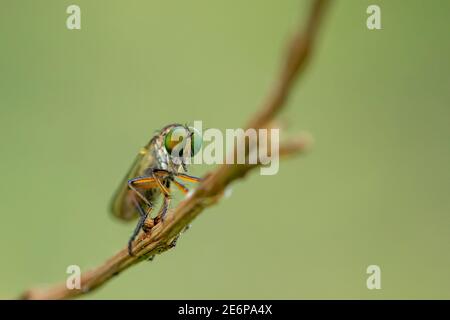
154,170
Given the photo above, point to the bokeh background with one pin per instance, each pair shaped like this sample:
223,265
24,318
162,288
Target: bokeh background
76,106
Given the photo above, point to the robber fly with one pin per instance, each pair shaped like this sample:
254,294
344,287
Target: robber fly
154,170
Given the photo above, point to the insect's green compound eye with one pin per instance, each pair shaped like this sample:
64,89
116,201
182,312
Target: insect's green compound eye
175,141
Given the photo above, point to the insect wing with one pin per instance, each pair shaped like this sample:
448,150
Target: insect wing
121,205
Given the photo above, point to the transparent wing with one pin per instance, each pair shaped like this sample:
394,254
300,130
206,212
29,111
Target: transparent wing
121,205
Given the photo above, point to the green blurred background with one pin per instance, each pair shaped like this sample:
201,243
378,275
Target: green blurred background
75,107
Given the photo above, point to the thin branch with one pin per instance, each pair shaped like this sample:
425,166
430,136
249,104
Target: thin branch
211,189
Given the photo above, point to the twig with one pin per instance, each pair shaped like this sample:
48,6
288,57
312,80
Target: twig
209,191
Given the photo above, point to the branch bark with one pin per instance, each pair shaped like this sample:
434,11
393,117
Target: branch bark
211,189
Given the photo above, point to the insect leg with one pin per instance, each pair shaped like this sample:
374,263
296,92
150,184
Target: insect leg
144,182
142,217
156,174
180,186
164,185
165,206
164,189
188,178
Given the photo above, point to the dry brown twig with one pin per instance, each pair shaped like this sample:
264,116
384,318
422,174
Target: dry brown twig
211,189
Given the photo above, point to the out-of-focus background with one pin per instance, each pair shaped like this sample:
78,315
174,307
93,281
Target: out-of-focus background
76,106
